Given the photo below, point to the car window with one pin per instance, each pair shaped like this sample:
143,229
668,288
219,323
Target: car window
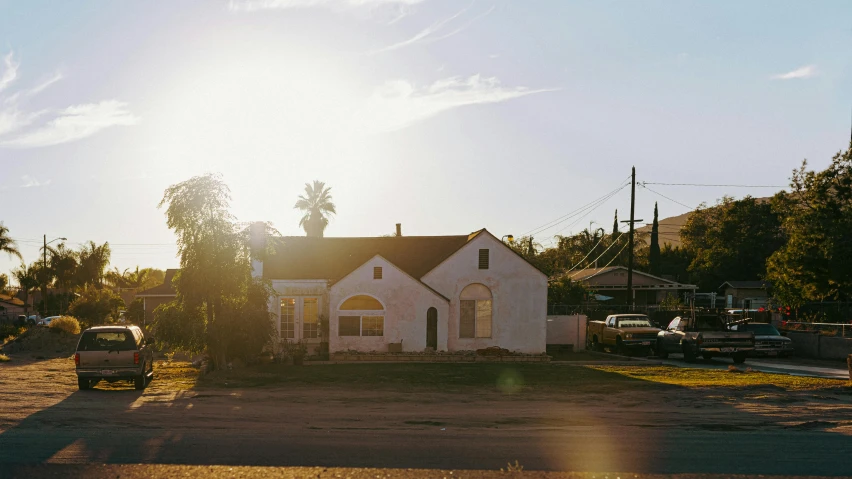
761,329
674,324
107,341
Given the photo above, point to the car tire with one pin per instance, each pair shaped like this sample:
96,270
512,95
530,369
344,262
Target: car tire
738,358
84,384
139,382
661,352
596,346
688,353
620,349
707,356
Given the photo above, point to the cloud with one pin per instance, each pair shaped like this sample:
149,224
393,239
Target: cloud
20,128
257,5
75,123
428,34
10,71
807,71
31,181
399,104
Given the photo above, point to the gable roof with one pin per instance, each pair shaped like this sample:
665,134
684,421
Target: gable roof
403,272
301,257
165,289
5,298
747,284
587,274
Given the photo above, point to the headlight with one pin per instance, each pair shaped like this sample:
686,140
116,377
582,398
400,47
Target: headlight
628,335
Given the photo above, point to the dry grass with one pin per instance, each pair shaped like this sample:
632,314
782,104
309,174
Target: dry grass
708,378
68,324
4,358
175,376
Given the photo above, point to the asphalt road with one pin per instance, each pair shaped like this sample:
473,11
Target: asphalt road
579,449
793,366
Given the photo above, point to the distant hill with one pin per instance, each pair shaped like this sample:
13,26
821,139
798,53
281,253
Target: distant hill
670,228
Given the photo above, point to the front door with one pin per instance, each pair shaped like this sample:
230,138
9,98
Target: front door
432,328
299,318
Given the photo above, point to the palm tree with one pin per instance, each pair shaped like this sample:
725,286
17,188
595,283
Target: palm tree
27,280
93,261
316,204
7,244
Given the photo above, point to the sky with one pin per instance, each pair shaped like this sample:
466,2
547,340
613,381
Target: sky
444,115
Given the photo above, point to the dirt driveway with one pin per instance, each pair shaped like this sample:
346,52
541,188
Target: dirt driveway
638,426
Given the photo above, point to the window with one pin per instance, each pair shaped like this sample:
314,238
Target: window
377,272
310,329
475,312
362,302
483,259
349,326
288,318
365,316
372,325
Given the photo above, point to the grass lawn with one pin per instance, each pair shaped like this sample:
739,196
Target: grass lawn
703,378
518,378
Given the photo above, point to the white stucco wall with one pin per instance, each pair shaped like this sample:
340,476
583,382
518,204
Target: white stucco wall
406,302
519,294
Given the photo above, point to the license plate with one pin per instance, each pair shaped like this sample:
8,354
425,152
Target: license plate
107,371
646,343
729,350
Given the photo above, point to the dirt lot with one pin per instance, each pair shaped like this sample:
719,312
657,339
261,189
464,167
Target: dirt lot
475,416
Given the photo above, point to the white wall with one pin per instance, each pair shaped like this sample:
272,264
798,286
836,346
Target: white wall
519,296
406,301
567,330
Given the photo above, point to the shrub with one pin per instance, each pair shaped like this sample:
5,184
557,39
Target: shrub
68,324
4,358
96,306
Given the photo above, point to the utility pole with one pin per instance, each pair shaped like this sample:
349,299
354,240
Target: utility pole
632,220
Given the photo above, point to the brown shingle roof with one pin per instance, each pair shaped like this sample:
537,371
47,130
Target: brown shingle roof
165,289
300,257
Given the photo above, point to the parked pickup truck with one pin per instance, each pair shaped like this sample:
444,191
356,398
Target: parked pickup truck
622,332
706,335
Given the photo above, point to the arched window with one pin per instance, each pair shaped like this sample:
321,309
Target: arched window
365,316
475,314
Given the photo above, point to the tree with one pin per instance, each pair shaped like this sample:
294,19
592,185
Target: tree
93,261
615,233
4,282
813,265
317,205
214,281
731,241
7,244
63,265
27,281
96,306
654,251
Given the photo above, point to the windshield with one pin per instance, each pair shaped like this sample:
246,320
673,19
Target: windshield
634,323
107,341
760,329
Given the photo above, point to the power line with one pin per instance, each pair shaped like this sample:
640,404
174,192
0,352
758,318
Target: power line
552,223
593,208
664,196
713,185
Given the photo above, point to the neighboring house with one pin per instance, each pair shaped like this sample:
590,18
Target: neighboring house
448,293
612,281
749,294
153,297
11,306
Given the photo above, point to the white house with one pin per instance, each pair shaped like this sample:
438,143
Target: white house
449,293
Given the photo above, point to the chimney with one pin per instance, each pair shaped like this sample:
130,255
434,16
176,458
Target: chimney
399,229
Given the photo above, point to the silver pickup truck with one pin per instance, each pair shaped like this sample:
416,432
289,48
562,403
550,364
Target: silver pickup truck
706,335
114,353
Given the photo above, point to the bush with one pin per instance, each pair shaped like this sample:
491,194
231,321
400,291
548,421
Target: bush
4,358
96,306
68,324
